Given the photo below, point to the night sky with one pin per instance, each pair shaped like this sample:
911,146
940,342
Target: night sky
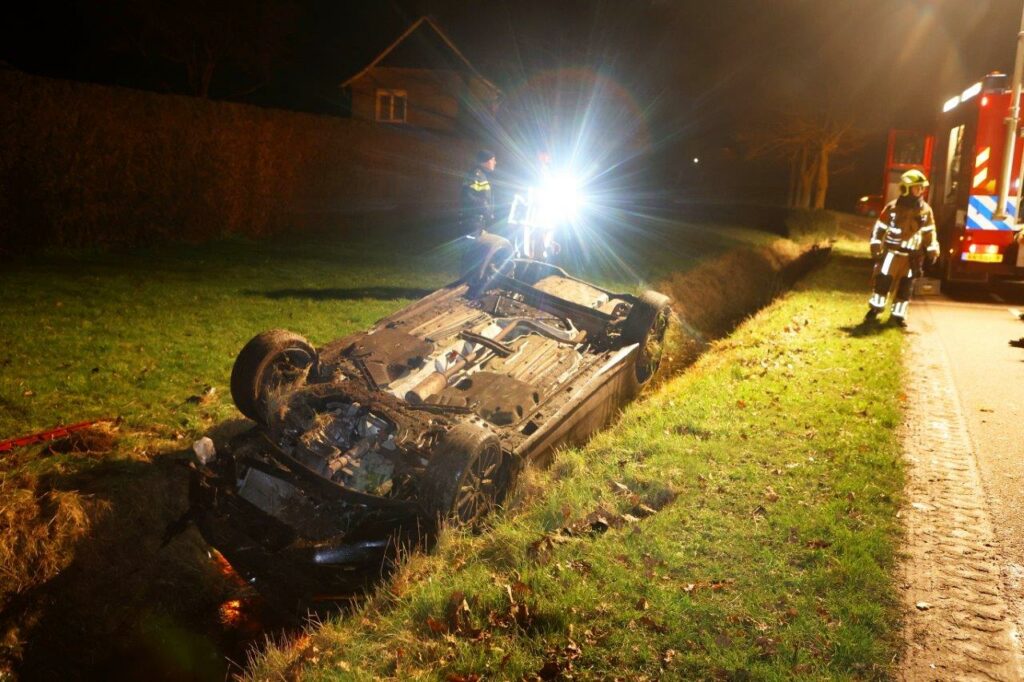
697,70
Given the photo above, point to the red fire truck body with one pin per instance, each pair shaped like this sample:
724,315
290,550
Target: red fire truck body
906,150
977,245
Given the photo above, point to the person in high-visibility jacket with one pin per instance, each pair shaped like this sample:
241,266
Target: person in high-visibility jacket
476,203
903,236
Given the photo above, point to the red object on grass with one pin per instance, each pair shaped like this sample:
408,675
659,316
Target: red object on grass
45,436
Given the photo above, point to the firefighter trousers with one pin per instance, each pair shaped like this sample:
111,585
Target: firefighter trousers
894,268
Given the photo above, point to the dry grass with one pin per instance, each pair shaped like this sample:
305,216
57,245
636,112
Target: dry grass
712,298
40,530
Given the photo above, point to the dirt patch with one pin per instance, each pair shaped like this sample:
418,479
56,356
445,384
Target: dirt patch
957,626
98,439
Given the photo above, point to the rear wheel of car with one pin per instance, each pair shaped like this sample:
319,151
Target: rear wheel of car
468,477
646,325
270,363
484,257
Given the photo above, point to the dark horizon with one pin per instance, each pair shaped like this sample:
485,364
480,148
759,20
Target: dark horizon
698,72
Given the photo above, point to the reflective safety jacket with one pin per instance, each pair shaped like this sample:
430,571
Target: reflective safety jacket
476,205
906,225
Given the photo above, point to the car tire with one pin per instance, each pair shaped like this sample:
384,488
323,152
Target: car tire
485,257
468,477
646,325
270,362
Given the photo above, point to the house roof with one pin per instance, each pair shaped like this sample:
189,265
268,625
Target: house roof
426,23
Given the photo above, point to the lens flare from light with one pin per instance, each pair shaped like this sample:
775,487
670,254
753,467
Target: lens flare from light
559,199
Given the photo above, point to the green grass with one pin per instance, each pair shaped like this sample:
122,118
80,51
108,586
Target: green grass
138,335
775,465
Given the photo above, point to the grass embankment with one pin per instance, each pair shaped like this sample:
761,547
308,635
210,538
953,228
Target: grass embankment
150,337
738,523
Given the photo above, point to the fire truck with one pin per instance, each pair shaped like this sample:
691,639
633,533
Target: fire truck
978,244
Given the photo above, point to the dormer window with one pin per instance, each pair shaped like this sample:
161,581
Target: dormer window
391,106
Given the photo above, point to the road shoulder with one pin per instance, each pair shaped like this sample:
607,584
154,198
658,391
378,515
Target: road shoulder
957,622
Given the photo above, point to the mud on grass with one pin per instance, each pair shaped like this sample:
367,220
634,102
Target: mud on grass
739,523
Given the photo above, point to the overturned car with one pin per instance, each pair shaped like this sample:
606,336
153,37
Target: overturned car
362,446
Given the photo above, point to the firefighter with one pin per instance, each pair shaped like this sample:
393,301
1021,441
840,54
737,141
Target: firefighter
903,236
476,203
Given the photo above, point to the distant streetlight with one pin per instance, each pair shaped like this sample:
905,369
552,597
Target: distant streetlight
696,160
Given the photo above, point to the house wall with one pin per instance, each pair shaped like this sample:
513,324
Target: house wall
433,96
84,164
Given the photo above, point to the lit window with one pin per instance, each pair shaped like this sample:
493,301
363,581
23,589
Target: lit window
391,106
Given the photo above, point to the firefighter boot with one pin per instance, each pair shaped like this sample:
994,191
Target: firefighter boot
898,321
872,315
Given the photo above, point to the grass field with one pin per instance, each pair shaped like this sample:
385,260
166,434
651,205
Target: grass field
149,337
740,523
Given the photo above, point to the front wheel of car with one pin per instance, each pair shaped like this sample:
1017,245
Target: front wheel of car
467,478
269,364
646,325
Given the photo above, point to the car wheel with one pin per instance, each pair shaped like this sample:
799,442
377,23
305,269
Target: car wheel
646,325
468,477
485,257
269,363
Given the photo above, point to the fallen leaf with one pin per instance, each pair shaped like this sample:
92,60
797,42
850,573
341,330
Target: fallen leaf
643,511
653,625
457,608
552,670
436,626
642,605
667,657
620,488
770,494
818,544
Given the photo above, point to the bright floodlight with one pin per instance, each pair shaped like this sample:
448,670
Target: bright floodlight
559,199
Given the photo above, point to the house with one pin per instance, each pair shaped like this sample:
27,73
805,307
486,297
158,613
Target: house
423,80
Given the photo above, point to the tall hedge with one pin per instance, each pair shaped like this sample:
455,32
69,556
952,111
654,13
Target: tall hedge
84,164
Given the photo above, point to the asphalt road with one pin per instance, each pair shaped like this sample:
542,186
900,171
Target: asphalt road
988,377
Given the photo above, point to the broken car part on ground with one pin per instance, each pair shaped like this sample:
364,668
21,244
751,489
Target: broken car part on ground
364,445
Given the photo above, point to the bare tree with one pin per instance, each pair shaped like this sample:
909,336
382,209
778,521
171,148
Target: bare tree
808,141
